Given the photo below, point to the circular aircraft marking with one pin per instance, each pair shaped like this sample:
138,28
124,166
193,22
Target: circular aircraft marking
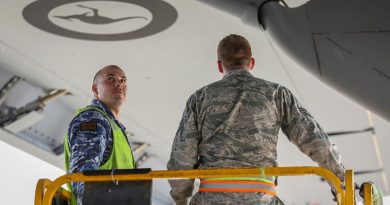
101,20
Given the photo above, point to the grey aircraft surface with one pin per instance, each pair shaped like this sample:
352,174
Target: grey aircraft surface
333,55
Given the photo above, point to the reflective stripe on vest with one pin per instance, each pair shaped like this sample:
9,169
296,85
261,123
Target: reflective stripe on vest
239,184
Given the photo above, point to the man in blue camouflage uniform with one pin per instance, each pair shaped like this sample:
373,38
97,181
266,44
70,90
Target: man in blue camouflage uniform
90,135
235,122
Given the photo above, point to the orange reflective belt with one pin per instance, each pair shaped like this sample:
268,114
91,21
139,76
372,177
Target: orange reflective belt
237,186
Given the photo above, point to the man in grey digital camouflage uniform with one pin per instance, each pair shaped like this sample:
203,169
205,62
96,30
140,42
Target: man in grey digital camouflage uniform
234,122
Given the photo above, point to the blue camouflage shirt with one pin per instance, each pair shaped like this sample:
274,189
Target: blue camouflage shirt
90,148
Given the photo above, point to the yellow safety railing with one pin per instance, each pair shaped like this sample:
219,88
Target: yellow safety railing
46,189
40,191
367,194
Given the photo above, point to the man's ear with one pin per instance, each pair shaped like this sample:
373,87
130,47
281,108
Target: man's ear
95,90
252,63
220,68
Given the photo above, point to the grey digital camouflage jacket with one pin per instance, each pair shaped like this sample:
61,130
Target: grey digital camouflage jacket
235,122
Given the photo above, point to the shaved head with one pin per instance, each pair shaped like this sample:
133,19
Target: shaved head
99,73
110,87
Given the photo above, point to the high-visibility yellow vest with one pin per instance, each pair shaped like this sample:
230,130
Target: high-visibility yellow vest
121,155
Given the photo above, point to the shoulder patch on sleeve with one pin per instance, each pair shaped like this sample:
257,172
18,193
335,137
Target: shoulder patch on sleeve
88,126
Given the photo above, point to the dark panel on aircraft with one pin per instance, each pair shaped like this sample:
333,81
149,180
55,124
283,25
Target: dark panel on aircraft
355,16
345,43
291,30
345,66
370,48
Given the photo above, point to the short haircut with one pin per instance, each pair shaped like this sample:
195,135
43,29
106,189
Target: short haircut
97,75
234,51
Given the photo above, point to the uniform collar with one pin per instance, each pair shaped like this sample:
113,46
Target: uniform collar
237,72
104,107
101,105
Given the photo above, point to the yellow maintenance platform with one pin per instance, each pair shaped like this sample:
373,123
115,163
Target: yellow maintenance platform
46,189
